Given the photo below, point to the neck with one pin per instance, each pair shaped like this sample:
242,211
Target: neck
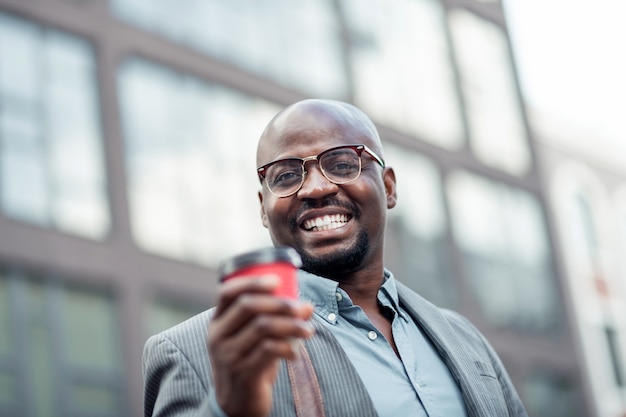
363,285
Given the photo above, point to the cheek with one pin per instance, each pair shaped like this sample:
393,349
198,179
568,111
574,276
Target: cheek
275,212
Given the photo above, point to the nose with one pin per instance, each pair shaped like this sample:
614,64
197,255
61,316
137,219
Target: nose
316,185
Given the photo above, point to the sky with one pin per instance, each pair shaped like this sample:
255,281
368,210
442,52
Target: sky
571,58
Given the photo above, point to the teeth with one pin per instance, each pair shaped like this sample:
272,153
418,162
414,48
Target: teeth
326,222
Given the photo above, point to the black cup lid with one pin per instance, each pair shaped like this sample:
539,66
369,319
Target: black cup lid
259,256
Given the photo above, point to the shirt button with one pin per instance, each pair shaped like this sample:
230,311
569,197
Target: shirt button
332,317
372,335
338,296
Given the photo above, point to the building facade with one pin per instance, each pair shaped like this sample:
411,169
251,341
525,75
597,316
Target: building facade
586,185
128,132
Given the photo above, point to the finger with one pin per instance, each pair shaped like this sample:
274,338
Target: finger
261,329
233,288
248,306
265,356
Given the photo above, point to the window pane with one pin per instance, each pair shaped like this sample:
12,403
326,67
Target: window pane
191,164
67,359
549,394
163,314
20,58
296,43
497,132
41,375
8,394
6,333
94,399
23,168
402,70
416,248
620,204
502,236
49,130
90,330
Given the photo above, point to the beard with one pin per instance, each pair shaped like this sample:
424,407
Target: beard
337,265
342,262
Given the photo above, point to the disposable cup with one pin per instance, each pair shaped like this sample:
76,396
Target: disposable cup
282,262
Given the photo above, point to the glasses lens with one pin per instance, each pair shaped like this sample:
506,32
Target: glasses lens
341,165
284,177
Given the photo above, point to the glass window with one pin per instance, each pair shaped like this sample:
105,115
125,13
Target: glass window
616,359
191,159
401,67
8,394
51,166
67,352
163,314
6,332
584,228
550,394
620,204
297,43
415,245
497,131
503,240
584,239
90,327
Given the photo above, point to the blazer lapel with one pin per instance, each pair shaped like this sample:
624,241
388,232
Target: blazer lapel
456,353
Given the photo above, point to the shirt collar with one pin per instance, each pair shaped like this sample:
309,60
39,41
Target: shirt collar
328,299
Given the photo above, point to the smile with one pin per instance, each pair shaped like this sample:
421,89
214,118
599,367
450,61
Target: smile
327,222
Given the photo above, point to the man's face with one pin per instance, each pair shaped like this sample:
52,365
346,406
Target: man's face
337,229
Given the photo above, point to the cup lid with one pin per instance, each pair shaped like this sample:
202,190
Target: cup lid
259,256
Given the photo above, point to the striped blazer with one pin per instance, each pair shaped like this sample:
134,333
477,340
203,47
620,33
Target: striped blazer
177,375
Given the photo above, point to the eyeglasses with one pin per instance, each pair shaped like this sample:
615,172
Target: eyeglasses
339,165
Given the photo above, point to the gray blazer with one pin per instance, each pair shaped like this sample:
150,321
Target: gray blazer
177,376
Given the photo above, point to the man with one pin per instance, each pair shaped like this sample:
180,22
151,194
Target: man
377,347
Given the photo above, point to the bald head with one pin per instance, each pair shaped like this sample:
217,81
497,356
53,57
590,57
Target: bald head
309,120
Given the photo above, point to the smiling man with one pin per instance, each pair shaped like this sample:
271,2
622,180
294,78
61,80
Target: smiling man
377,347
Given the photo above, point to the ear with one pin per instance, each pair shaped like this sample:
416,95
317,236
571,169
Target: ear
263,214
389,179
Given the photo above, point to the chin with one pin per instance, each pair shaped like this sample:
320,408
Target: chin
337,264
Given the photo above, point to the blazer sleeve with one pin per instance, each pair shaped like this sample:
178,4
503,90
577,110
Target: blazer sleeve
172,386
513,402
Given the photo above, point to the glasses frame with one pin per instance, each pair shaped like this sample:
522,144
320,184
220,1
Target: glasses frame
359,149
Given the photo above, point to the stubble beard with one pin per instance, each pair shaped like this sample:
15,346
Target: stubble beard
339,263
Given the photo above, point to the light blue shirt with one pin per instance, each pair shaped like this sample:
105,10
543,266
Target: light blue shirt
416,384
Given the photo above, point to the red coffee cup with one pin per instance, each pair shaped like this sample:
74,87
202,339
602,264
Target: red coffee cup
282,262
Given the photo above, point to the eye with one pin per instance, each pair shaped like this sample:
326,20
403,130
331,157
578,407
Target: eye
343,163
284,174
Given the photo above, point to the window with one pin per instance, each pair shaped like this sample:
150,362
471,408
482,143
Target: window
296,43
401,67
191,159
416,245
51,166
497,131
60,350
615,355
164,313
501,233
549,393
620,209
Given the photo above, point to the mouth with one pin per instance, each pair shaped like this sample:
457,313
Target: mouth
326,222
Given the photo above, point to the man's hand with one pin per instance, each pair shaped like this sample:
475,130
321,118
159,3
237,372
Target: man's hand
249,334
